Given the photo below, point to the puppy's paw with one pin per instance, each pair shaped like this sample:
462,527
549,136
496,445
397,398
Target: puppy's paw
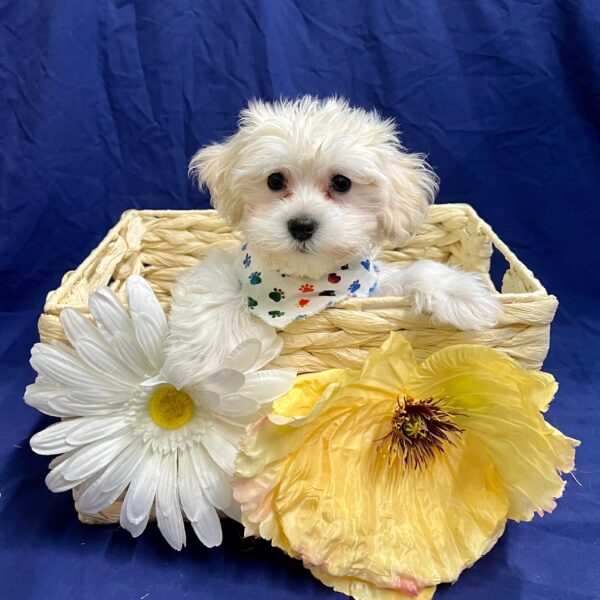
463,301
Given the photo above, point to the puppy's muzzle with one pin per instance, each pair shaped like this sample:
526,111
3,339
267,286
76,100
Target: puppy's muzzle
302,228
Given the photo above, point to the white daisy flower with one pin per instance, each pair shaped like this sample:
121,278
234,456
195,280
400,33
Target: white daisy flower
128,428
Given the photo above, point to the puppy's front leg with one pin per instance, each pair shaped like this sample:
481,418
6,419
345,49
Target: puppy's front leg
208,320
450,296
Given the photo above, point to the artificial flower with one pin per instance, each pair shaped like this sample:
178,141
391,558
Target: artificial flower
127,427
388,480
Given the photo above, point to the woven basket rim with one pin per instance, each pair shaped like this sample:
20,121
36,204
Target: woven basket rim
55,298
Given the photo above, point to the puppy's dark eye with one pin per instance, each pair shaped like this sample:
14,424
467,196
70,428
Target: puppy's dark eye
276,181
340,183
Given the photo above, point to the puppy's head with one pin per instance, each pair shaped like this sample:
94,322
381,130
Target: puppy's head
311,184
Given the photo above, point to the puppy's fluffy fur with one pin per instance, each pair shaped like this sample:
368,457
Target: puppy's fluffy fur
308,142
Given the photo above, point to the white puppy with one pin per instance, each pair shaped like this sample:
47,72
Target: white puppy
314,187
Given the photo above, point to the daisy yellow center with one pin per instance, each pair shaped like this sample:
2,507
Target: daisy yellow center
419,430
170,408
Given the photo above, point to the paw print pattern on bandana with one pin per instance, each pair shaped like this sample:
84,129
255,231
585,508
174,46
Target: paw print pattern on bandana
254,278
354,286
278,298
277,295
306,288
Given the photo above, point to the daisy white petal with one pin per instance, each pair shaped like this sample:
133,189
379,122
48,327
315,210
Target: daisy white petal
56,365
142,491
92,458
237,405
135,529
271,345
100,360
267,386
39,394
149,319
168,510
203,397
77,328
224,381
55,481
68,407
92,347
89,429
69,435
228,430
105,489
222,449
244,356
117,329
189,486
52,440
271,349
57,460
85,484
92,395
207,526
158,379
214,482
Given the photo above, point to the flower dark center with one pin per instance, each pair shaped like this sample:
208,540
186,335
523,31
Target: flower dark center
420,429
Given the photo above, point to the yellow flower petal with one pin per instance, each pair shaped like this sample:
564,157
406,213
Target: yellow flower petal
255,496
500,402
387,371
300,400
362,590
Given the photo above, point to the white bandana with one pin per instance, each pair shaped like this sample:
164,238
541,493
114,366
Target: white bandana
278,299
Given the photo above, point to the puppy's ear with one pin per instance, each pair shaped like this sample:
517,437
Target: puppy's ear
412,187
210,168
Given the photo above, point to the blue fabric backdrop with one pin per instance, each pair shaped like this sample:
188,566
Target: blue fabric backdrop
103,102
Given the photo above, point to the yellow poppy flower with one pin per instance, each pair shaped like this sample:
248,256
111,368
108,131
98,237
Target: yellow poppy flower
389,480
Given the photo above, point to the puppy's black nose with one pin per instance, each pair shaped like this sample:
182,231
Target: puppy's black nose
302,228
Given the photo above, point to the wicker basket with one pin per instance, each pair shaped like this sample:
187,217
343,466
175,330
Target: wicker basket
161,244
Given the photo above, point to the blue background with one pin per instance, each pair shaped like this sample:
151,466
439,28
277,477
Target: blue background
102,104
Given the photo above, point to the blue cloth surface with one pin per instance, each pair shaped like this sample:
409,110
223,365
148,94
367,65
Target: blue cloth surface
103,102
